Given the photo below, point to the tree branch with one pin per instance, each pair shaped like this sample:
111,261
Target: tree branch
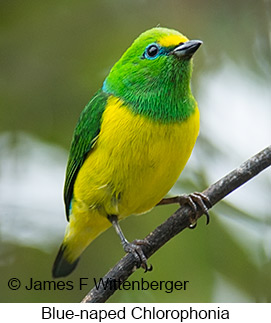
180,220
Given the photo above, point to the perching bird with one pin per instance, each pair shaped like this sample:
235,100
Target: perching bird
131,142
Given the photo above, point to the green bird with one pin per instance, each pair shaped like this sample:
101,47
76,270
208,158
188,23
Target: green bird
131,142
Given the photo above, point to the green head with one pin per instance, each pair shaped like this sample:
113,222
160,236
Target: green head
153,75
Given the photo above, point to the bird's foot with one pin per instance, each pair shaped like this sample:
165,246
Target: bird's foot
135,249
194,200
131,247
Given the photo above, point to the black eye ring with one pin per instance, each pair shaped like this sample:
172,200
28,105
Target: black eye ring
152,51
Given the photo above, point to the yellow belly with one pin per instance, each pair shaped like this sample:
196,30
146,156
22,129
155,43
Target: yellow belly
134,162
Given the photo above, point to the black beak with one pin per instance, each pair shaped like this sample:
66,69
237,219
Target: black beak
187,49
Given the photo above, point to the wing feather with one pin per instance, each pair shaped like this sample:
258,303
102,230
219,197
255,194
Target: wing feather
84,137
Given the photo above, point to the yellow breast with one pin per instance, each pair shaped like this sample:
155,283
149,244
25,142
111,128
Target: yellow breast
134,162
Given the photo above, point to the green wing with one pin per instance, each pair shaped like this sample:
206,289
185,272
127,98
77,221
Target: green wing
85,134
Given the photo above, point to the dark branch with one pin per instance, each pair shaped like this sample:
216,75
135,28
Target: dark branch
180,220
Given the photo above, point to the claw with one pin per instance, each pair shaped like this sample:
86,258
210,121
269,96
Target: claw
150,268
193,200
135,248
192,225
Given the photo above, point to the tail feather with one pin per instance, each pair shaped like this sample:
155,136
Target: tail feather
62,267
80,232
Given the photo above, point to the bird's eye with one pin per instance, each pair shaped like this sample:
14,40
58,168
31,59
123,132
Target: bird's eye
151,51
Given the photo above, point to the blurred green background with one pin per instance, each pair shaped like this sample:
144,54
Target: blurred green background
54,56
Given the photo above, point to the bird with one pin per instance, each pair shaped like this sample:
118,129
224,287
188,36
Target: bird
131,143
